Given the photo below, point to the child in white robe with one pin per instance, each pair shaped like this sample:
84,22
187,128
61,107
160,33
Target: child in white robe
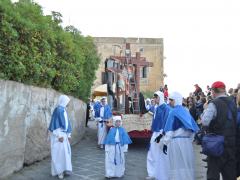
116,144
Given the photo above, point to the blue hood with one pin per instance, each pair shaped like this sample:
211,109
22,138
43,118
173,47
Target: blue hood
179,117
58,120
160,119
123,135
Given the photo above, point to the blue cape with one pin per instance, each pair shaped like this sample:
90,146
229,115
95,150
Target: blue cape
107,111
123,136
179,117
58,120
152,109
161,116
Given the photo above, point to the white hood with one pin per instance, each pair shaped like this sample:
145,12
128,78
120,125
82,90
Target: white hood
161,96
63,100
117,118
177,97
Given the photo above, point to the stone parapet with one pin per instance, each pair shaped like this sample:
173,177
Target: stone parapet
24,119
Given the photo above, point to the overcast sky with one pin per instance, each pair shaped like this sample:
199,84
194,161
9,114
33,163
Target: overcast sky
201,38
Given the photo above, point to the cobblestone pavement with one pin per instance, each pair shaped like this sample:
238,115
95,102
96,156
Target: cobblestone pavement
88,162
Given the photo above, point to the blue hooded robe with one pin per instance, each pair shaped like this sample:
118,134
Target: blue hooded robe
161,115
123,136
179,117
107,111
152,109
58,120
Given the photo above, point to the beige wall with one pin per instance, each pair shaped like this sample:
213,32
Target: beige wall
152,50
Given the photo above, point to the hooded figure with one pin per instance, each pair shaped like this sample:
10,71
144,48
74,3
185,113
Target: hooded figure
60,129
157,162
116,144
103,114
148,104
179,131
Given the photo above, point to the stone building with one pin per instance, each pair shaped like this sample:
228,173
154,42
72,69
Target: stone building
151,78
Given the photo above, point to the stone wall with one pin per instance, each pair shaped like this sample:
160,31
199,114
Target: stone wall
153,50
25,113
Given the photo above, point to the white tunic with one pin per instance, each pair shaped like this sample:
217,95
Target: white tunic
60,153
115,159
181,155
157,161
102,128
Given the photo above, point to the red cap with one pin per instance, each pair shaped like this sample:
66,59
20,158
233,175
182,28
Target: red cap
218,84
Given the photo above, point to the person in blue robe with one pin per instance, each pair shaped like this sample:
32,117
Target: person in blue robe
103,114
179,129
116,145
152,107
148,104
157,162
60,133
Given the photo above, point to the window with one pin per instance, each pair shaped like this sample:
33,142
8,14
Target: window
104,78
144,72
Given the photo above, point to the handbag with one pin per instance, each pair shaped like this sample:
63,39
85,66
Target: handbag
213,145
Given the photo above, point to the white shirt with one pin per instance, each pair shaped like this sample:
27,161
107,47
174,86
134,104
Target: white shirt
66,120
117,139
102,112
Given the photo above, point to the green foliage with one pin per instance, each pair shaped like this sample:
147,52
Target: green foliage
36,50
147,94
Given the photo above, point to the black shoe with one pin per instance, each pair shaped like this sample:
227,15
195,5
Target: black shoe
67,173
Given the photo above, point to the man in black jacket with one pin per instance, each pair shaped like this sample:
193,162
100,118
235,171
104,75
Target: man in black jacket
220,118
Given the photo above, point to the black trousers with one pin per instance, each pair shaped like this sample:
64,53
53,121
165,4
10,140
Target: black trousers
226,165
87,117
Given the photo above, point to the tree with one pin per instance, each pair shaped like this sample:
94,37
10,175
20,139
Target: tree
36,50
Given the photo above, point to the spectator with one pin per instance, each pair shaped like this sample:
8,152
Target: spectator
230,91
208,92
165,91
197,90
220,118
192,108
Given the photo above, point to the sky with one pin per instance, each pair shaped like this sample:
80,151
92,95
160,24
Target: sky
201,37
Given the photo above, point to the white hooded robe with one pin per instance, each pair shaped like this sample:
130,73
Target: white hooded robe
61,151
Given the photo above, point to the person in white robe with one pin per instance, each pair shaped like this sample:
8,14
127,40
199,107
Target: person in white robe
157,162
148,104
103,115
60,133
116,145
179,131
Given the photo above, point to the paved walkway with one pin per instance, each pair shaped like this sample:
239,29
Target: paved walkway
88,162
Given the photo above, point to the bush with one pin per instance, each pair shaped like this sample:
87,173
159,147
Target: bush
36,50
148,94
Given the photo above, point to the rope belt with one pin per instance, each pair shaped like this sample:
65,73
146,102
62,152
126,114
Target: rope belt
115,153
175,137
102,121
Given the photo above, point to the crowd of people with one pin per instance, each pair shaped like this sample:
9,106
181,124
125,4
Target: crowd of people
177,123
217,115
